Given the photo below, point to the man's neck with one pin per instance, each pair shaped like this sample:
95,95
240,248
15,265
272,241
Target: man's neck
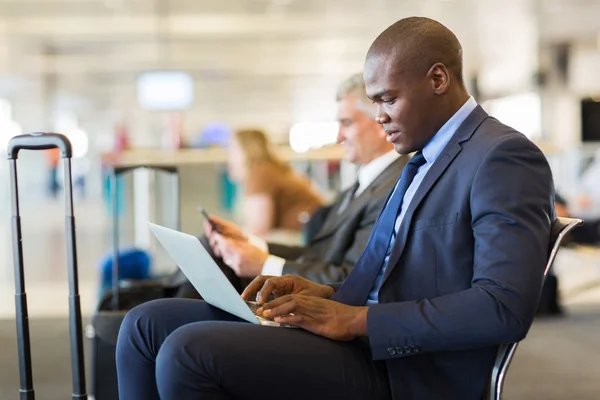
456,101
450,107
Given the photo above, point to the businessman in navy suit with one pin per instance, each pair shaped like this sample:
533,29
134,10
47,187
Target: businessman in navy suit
453,267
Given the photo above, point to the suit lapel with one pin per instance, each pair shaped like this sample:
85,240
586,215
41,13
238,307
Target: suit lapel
452,149
334,220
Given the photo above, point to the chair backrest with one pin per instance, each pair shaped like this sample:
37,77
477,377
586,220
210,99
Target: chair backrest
560,228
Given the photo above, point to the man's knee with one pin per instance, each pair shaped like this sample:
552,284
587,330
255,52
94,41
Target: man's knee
185,359
171,353
192,341
139,320
142,312
200,343
130,326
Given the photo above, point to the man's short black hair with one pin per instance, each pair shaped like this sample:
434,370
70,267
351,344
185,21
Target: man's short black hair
418,43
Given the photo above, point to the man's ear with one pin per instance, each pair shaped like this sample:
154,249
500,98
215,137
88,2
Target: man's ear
440,78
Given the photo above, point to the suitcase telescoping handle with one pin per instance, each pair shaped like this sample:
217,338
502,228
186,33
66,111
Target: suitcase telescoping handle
39,141
45,141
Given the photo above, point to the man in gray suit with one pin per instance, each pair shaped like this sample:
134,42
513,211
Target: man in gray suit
341,230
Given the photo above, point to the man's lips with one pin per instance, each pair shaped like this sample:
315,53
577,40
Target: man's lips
392,135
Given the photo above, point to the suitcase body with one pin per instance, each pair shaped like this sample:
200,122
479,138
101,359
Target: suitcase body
112,308
45,141
104,330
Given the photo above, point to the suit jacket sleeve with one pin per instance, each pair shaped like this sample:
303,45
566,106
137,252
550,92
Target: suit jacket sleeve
323,272
511,210
285,251
313,226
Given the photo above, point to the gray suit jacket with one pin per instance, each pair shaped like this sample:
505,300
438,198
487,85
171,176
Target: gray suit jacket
332,252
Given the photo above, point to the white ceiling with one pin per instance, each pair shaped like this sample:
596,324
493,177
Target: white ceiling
278,59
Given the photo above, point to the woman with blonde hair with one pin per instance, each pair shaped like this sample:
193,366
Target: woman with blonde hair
275,197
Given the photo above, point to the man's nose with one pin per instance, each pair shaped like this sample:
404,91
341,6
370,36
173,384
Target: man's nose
381,117
340,136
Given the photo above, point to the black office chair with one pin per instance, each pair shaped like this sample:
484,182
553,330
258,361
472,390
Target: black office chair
560,228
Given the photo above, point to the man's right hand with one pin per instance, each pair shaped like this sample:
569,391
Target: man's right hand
264,286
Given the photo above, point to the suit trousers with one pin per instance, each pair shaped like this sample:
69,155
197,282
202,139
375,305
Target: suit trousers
186,349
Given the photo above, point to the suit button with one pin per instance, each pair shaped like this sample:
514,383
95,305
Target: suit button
407,349
392,351
416,349
399,351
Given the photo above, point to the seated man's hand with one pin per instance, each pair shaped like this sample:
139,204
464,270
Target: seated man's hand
264,286
320,316
245,259
225,228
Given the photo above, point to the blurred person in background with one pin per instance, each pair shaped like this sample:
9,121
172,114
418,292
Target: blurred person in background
274,196
340,230
52,158
111,152
585,201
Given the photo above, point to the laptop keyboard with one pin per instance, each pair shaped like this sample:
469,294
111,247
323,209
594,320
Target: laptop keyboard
254,306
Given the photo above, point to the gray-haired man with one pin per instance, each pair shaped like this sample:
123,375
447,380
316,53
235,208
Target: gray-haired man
343,228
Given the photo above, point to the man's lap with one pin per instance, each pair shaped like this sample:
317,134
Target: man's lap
266,357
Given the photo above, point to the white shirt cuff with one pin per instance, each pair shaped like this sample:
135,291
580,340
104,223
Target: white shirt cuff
258,242
273,266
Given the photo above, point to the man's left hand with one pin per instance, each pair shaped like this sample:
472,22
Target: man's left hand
320,316
245,259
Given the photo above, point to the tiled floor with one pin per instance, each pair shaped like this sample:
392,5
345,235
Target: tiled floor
559,359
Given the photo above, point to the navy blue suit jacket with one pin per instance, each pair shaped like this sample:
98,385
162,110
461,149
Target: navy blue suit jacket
467,266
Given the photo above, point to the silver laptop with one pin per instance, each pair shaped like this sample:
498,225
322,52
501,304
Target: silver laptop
206,276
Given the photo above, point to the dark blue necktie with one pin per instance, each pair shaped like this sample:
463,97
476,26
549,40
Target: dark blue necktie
358,284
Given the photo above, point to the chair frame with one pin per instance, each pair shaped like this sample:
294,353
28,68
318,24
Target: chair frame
560,228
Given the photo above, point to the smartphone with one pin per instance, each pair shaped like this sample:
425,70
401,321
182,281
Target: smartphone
213,225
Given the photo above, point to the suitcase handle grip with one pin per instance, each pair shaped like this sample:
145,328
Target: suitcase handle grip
39,141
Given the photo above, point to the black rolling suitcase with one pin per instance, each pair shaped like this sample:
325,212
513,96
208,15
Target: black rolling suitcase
113,306
45,141
104,330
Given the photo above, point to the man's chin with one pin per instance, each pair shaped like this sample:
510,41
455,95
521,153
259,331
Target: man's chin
351,158
401,148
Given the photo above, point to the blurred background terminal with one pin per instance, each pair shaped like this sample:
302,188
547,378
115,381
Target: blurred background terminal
167,83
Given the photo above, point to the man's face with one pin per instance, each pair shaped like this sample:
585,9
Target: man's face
361,136
405,103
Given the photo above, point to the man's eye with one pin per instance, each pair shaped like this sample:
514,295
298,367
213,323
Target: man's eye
389,102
